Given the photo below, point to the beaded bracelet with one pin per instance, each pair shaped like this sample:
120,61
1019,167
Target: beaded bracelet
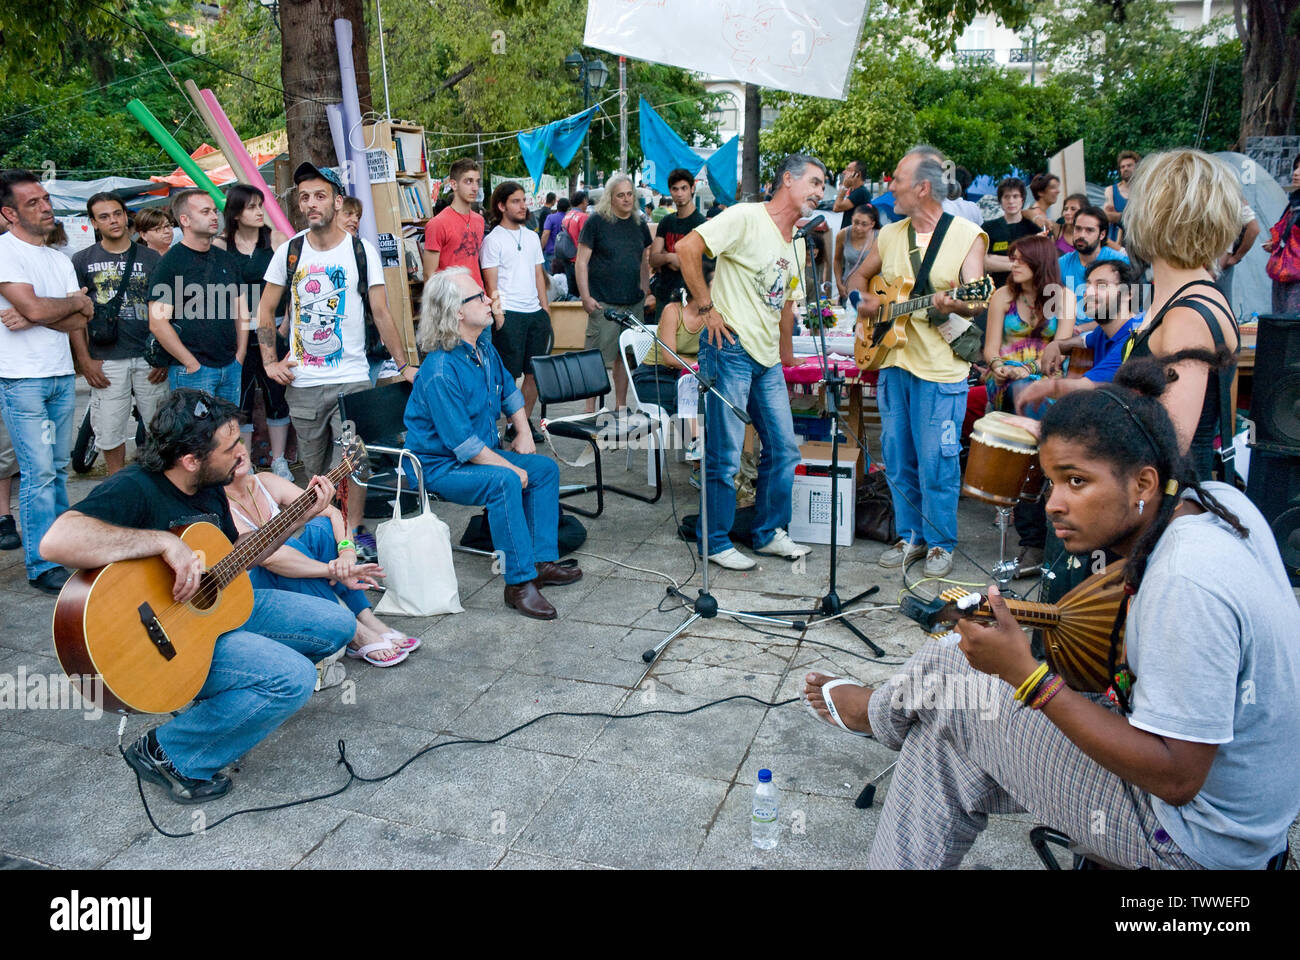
1049,688
1031,681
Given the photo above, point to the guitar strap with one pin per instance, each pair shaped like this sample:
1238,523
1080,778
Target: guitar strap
921,268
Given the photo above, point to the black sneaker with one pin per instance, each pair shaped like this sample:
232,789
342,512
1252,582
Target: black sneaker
52,580
147,759
9,539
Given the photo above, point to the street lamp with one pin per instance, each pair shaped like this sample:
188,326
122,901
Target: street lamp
592,74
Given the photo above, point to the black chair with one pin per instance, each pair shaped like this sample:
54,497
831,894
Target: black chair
377,416
581,375
1040,837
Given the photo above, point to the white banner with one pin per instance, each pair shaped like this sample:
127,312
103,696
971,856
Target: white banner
536,195
797,45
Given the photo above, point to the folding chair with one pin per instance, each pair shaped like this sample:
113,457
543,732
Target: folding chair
581,375
633,345
378,416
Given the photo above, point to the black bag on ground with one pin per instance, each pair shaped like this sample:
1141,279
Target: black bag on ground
741,529
569,537
874,519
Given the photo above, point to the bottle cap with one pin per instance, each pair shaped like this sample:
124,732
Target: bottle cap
765,776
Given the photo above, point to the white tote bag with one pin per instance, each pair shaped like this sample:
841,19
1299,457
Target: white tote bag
416,556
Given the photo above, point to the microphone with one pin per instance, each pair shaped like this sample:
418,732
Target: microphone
811,225
621,317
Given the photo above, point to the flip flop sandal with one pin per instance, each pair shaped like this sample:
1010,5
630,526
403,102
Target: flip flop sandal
827,687
363,653
400,642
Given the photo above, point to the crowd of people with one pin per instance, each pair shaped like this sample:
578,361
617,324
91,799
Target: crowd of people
164,326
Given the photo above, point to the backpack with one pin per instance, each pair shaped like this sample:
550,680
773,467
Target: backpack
375,349
566,248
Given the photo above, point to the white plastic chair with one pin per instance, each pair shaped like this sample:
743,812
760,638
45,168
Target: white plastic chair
633,345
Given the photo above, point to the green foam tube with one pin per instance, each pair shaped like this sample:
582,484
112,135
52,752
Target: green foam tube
176,151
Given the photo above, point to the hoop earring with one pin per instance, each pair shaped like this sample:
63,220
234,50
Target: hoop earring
1142,505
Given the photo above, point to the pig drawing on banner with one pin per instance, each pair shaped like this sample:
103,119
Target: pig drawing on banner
317,329
778,37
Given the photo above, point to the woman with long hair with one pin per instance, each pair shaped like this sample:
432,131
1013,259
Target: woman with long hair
251,241
854,244
1189,757
1024,316
1072,205
1283,248
1046,188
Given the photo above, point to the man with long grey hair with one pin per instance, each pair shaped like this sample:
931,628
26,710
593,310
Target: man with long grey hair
922,387
613,270
460,391
749,319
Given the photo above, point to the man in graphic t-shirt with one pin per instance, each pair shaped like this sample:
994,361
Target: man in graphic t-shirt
111,356
327,339
749,319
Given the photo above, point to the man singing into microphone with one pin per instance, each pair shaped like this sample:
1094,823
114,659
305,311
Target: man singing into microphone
749,317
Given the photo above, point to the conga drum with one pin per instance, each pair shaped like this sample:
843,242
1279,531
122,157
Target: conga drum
1001,455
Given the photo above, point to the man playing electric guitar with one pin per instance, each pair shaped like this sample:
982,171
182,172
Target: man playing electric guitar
922,387
1189,760
261,673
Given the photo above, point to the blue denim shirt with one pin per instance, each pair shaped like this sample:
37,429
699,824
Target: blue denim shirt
455,401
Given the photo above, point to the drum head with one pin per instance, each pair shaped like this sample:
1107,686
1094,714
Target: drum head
1004,431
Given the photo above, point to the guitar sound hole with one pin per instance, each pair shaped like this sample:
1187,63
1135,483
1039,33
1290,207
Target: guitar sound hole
205,597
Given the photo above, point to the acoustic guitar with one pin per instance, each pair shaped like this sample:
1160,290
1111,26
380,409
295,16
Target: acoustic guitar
887,330
1076,629
120,623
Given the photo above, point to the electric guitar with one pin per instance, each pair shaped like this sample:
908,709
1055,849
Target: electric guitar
120,623
887,330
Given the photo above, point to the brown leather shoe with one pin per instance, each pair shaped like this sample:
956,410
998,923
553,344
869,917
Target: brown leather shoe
551,574
528,600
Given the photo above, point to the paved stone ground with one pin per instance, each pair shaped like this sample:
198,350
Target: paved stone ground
566,792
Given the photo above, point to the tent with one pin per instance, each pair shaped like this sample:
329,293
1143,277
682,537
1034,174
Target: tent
70,196
1252,290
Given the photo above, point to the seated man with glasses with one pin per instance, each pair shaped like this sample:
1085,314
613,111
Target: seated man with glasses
461,389
262,673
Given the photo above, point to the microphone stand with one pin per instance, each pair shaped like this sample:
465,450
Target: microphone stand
831,606
705,605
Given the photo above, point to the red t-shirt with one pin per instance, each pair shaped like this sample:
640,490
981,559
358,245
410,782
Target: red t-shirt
457,240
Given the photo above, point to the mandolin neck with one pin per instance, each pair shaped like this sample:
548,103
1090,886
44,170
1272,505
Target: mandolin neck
252,548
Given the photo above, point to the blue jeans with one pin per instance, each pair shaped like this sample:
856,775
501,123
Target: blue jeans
316,540
524,521
38,412
761,392
223,382
261,675
920,437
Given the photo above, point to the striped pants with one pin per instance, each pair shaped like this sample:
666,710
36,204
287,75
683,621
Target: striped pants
967,749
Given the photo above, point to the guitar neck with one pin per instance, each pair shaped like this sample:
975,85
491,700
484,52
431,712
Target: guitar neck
1025,612
910,306
260,542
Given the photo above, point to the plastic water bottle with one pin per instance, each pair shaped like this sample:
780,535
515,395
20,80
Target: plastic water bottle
766,822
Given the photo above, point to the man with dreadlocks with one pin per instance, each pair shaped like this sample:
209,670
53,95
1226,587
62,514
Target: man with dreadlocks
1190,761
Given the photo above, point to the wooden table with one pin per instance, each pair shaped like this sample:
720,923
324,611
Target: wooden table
1245,375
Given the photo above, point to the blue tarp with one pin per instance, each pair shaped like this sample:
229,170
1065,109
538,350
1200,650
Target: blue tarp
665,151
721,171
562,138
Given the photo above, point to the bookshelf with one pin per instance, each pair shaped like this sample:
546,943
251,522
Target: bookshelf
403,204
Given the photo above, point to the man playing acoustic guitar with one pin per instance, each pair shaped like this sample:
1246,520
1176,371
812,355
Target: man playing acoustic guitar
1189,760
261,673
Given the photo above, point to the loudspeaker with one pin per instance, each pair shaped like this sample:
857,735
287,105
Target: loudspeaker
1275,406
1274,488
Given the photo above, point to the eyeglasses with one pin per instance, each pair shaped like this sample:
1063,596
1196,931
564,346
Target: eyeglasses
478,296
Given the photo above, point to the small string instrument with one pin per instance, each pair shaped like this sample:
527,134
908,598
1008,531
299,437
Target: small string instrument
1080,362
153,654
1076,629
887,330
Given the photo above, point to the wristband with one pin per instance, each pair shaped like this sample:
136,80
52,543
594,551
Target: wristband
705,308
1050,687
346,544
403,367
1031,681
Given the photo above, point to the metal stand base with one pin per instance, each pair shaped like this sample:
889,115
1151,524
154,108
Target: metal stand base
832,606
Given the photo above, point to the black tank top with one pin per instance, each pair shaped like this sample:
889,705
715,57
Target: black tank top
1217,387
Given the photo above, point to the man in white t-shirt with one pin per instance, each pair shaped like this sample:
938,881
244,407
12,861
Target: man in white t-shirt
327,322
512,267
40,302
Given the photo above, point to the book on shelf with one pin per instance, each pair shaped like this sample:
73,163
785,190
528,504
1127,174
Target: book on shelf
410,150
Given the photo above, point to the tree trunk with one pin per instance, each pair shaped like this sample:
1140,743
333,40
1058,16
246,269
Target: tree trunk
309,70
1270,66
749,143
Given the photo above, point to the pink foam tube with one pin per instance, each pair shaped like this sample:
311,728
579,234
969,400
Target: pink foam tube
247,170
